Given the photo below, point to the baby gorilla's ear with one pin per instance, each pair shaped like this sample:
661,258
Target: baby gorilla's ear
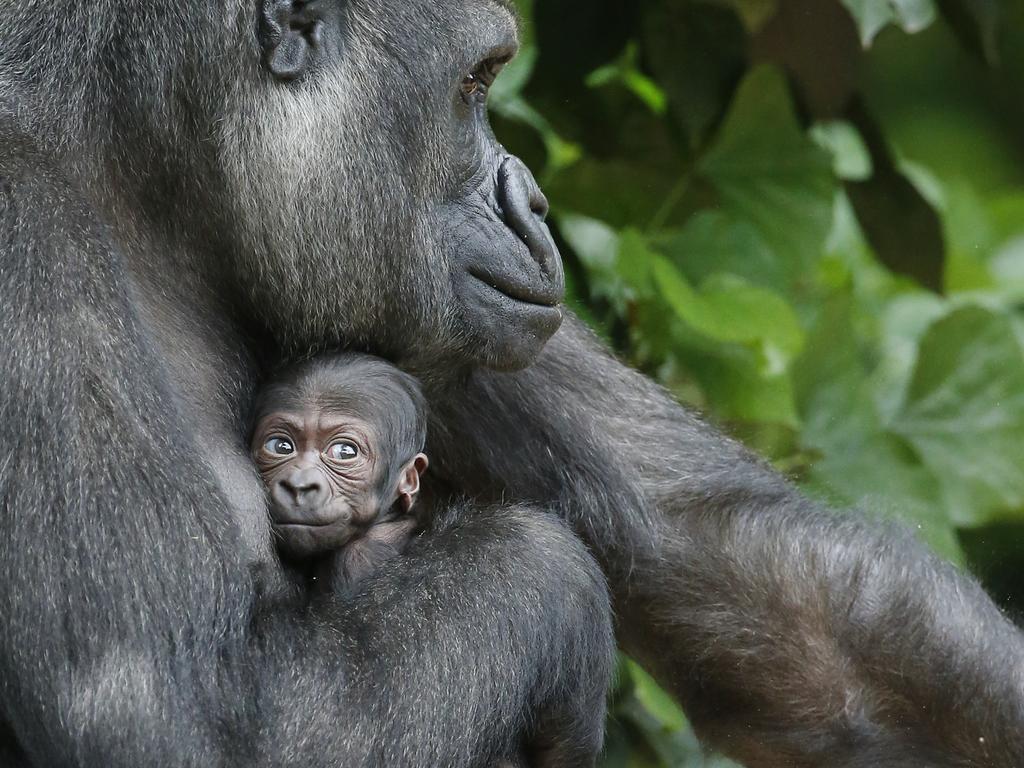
409,481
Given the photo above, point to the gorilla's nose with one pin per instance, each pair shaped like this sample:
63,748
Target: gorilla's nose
302,489
525,209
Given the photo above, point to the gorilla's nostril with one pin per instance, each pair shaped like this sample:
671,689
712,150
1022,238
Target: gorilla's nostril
300,487
539,205
525,208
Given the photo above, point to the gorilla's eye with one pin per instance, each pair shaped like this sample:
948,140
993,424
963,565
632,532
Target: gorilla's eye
471,85
343,451
476,83
279,446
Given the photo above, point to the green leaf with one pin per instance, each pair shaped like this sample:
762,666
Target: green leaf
620,191
737,383
625,72
859,461
984,237
513,79
850,157
731,310
645,89
714,241
904,321
914,15
964,413
616,264
850,258
645,716
698,53
561,153
768,172
970,238
654,699
738,339
594,242
873,15
1006,215
977,23
754,13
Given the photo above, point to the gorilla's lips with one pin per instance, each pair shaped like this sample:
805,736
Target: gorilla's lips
508,276
546,294
509,320
304,533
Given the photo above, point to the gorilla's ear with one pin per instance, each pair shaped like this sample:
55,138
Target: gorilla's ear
409,481
291,34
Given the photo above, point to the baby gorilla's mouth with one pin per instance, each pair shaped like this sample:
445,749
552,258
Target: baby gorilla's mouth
307,538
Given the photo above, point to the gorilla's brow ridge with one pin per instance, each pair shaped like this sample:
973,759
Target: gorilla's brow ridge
511,7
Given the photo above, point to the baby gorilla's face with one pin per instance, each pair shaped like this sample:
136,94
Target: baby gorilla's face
327,478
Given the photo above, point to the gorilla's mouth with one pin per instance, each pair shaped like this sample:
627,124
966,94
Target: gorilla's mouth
310,527
303,526
309,537
547,296
313,525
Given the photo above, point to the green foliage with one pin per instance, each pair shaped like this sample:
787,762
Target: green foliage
873,15
833,274
966,398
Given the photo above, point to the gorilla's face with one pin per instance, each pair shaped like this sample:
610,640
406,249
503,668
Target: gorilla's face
375,206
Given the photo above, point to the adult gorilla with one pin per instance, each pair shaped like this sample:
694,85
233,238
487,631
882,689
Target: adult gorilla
189,191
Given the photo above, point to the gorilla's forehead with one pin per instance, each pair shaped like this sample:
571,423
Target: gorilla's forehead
461,22
508,5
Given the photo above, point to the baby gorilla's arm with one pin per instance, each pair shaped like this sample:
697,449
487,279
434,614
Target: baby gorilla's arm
357,560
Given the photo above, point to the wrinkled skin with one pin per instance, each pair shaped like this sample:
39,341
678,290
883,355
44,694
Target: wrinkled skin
342,478
190,193
327,479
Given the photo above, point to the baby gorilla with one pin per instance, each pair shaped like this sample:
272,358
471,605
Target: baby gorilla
338,442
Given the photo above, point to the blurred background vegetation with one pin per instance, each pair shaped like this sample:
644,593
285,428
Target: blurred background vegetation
805,218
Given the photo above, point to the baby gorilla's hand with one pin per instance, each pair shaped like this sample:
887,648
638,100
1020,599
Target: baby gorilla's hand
361,557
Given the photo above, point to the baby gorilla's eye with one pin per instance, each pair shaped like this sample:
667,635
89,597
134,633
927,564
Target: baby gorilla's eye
343,451
279,446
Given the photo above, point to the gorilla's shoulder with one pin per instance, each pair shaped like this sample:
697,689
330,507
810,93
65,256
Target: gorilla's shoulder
39,201
62,263
23,162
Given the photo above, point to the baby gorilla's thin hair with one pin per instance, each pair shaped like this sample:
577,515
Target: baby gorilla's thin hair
355,383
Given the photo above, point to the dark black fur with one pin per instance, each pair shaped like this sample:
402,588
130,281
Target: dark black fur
131,631
185,195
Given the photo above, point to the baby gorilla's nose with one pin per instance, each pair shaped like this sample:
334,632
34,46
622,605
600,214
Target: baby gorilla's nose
302,489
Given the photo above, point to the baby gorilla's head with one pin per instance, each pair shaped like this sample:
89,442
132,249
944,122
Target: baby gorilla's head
338,443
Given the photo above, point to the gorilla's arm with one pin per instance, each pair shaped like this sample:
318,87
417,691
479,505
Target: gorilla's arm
793,635
438,674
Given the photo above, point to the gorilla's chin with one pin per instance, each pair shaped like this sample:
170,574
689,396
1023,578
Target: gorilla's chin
506,329
509,301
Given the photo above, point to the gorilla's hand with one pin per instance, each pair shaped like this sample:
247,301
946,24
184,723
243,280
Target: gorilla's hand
364,555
